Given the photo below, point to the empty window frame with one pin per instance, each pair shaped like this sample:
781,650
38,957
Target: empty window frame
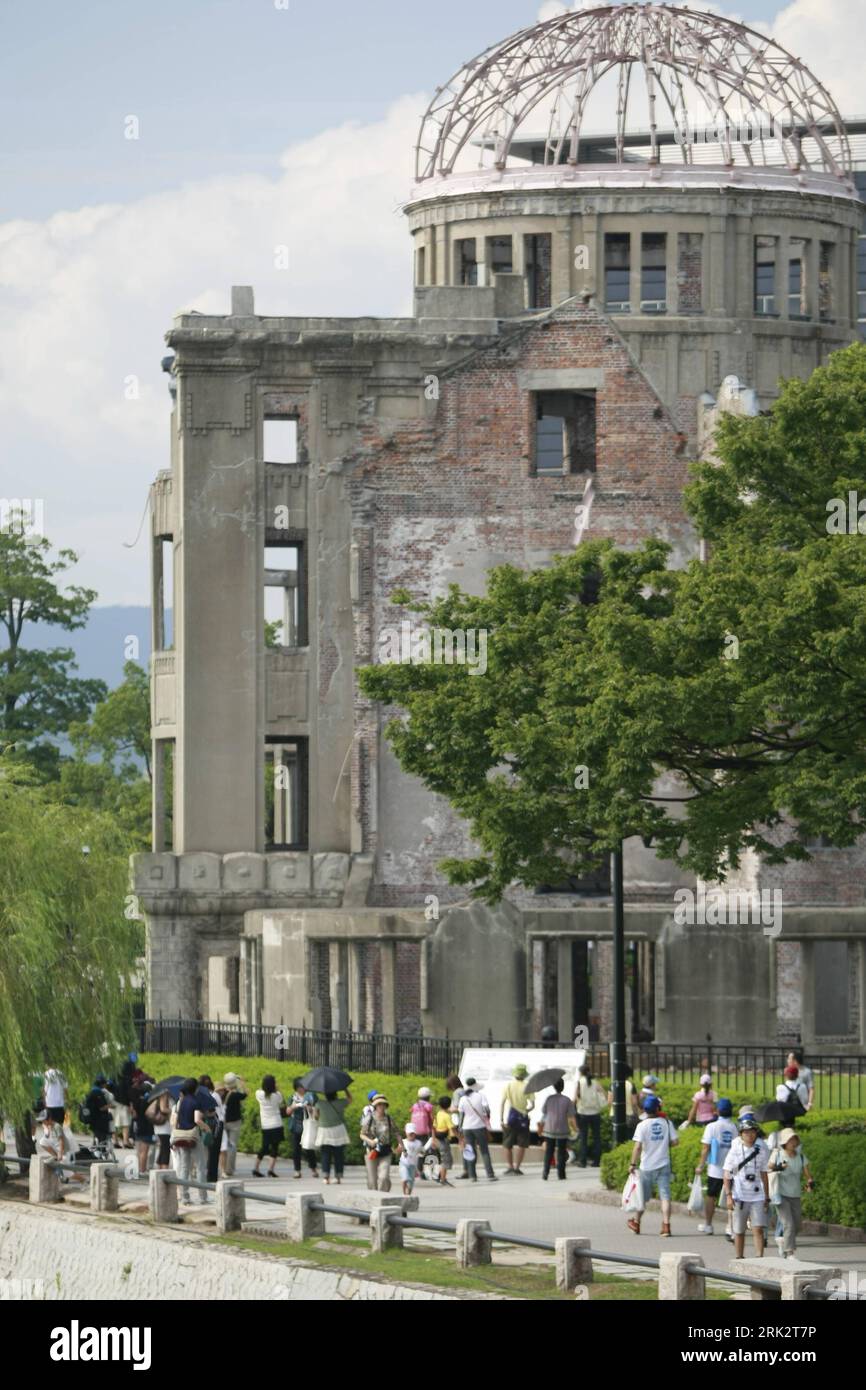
500,255
798,307
466,262
825,280
564,432
653,272
163,593
280,440
617,272
689,272
286,594
536,255
420,266
286,792
765,275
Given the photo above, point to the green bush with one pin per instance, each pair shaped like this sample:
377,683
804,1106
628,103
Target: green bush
401,1091
837,1159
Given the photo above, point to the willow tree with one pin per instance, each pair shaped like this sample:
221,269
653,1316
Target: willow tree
67,951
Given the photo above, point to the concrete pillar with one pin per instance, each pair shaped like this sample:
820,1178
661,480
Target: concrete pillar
745,295
783,252
388,957
634,279
383,1234
162,1197
357,987
338,971
302,1222
807,992
564,990
811,271
104,1186
230,1205
592,278
538,971
862,994
44,1180
473,1248
794,1276
561,261
675,1282
158,801
573,1263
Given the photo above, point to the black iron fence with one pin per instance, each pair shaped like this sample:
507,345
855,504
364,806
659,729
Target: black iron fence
840,1081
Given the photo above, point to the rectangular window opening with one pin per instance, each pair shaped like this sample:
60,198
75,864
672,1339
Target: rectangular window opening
420,261
500,256
565,432
797,301
280,440
164,596
466,262
617,272
537,270
653,273
286,793
285,594
765,275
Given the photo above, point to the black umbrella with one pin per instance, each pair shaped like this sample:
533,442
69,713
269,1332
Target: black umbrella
773,1110
326,1079
173,1085
540,1080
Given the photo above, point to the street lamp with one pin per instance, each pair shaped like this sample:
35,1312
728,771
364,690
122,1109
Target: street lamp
617,1047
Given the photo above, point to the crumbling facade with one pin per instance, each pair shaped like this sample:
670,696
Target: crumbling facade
578,323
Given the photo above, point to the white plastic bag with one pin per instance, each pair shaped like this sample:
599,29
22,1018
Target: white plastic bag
469,1153
310,1133
696,1197
632,1194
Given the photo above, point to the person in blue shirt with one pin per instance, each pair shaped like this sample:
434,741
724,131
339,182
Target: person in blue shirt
716,1141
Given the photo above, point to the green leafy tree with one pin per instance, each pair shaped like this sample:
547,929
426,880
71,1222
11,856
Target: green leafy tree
39,694
66,949
710,710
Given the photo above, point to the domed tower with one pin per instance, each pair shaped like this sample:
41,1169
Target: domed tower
683,170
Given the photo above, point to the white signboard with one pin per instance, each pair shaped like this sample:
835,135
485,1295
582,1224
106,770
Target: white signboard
493,1067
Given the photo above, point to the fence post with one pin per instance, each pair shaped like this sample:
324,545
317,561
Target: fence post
676,1284
384,1235
573,1262
43,1179
473,1244
104,1186
302,1220
162,1197
230,1205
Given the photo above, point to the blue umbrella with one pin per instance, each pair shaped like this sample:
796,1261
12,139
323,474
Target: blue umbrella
174,1085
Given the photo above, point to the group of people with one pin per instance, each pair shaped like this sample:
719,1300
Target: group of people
749,1171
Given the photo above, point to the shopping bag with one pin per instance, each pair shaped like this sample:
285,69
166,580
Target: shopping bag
309,1134
632,1194
696,1197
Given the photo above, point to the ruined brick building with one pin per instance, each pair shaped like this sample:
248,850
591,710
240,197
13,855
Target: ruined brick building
584,306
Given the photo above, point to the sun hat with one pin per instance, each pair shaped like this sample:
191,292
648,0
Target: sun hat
724,1106
705,1079
519,1070
410,1128
230,1078
424,1093
650,1080
379,1100
786,1135
43,1115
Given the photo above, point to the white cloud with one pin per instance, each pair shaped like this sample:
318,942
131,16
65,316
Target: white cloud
86,296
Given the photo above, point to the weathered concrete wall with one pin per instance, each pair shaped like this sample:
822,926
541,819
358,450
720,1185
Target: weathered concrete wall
79,1256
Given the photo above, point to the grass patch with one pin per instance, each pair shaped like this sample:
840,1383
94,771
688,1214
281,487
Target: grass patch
438,1270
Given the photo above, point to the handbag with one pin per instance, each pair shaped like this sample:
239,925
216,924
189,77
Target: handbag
309,1133
185,1138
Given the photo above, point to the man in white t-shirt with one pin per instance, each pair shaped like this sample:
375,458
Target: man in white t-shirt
654,1138
56,1094
805,1077
745,1180
716,1141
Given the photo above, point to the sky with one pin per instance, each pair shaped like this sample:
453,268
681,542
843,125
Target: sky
259,124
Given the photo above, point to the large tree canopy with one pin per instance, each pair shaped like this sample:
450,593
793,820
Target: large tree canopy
744,676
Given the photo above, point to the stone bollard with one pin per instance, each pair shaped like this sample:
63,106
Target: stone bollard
675,1282
473,1248
794,1276
44,1180
302,1221
104,1186
162,1196
384,1235
230,1205
573,1263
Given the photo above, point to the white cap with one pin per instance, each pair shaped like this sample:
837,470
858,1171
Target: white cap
410,1129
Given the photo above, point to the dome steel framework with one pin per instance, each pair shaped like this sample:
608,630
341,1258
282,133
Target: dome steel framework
686,56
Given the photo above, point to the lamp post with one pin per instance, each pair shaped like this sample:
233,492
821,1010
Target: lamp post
617,1047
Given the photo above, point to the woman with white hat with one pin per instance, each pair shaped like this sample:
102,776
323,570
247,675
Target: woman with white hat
787,1168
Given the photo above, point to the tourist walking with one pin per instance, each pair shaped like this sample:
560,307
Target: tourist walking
159,1114
793,1094
786,1169
234,1096
716,1140
411,1152
804,1075
474,1113
370,1169
216,1126
142,1128
333,1137
589,1101
649,1087
121,1090
98,1106
186,1137
558,1119
654,1138
745,1181
514,1115
380,1137
272,1107
458,1091
443,1133
56,1094
301,1109
422,1119
703,1107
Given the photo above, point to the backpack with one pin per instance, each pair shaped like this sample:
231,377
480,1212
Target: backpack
422,1118
794,1107
84,1113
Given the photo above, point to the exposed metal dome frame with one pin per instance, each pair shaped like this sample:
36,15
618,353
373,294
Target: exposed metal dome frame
680,51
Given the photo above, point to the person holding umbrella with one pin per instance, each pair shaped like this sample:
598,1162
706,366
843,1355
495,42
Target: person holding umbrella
333,1137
